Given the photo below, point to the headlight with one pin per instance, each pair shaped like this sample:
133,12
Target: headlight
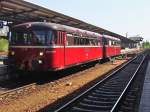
40,61
41,53
12,53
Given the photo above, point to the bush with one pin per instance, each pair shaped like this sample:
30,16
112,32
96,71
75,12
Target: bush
146,44
3,45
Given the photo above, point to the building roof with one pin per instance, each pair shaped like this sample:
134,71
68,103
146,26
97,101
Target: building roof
136,38
18,11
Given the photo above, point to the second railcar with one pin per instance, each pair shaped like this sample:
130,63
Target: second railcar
112,46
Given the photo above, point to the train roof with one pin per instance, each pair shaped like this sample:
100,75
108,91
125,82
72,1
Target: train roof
65,28
59,27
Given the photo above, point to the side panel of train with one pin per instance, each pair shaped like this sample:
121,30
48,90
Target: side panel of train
74,50
61,58
53,58
75,55
112,51
112,47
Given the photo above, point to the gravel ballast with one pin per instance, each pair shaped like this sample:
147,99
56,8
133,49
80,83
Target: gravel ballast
49,93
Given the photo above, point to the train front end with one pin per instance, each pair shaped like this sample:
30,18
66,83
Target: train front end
29,44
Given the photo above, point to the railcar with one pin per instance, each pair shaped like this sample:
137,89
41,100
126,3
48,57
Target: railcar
112,46
50,46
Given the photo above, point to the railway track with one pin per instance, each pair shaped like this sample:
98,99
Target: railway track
131,100
107,94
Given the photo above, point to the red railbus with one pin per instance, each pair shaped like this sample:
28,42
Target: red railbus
112,46
50,46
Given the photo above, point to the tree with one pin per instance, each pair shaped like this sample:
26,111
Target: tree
146,44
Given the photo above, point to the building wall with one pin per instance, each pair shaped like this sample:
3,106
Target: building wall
128,45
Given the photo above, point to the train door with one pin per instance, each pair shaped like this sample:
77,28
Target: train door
61,42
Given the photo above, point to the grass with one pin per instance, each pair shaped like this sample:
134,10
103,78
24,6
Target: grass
3,45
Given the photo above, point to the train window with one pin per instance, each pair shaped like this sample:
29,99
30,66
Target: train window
96,41
112,42
39,37
99,41
93,41
25,38
87,41
32,37
117,42
51,39
69,39
81,41
76,41
109,42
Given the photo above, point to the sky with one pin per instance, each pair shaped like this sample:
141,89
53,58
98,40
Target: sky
130,17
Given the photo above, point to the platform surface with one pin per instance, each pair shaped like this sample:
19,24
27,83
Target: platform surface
145,98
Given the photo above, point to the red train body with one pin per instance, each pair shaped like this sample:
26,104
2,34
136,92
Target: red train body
50,46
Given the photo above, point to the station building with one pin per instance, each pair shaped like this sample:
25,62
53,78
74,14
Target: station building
138,41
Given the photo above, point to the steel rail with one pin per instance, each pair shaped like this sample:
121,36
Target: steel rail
126,88
103,80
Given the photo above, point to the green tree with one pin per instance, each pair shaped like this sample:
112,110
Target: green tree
146,44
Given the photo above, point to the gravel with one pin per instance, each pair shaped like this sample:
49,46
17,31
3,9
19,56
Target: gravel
51,92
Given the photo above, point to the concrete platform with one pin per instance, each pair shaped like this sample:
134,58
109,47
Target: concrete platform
145,98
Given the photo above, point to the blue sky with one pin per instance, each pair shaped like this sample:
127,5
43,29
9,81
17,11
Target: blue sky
119,16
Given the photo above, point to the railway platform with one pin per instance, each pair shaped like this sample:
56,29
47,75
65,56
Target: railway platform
145,98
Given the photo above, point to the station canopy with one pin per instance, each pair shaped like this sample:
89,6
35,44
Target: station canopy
19,11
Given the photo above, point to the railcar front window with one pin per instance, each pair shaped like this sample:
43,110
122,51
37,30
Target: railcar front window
33,37
39,37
